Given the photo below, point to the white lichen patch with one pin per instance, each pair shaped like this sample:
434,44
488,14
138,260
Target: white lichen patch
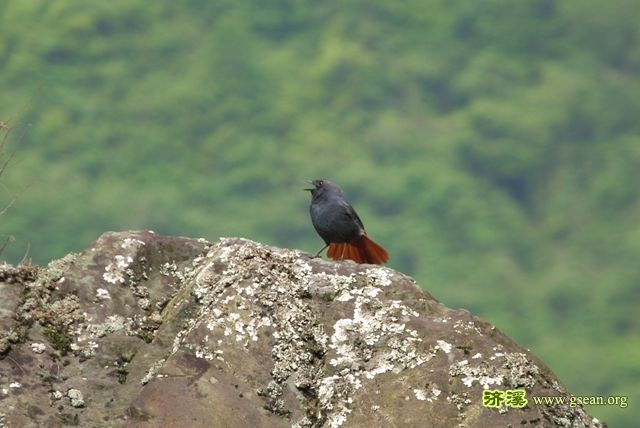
379,276
420,394
225,252
243,327
102,294
119,270
337,419
461,326
460,400
132,243
435,392
338,282
202,282
444,346
515,371
203,352
345,296
332,397
76,398
485,381
326,391
153,371
115,271
521,371
112,323
15,385
427,395
169,269
484,375
38,347
85,334
85,350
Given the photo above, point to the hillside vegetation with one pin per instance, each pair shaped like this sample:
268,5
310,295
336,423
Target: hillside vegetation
493,147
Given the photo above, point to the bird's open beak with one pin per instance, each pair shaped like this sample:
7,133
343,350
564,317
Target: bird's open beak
312,189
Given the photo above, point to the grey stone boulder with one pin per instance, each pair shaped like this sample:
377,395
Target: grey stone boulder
143,330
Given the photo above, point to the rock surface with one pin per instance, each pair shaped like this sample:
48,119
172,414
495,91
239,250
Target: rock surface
142,330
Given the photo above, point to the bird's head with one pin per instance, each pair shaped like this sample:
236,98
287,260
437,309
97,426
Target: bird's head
322,186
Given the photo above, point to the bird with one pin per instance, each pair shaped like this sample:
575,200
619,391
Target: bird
339,226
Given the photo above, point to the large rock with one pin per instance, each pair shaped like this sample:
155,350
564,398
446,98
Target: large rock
151,331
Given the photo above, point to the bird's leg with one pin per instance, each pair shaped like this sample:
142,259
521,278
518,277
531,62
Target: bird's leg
321,250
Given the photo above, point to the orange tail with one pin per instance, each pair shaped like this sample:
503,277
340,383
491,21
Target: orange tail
363,251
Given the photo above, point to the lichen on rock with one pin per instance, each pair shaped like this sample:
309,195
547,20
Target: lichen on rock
144,330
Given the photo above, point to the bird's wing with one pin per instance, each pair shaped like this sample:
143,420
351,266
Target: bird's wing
349,211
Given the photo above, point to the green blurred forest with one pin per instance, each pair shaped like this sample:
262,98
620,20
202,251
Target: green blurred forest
492,146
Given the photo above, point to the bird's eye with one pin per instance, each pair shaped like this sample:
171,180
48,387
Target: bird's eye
320,182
